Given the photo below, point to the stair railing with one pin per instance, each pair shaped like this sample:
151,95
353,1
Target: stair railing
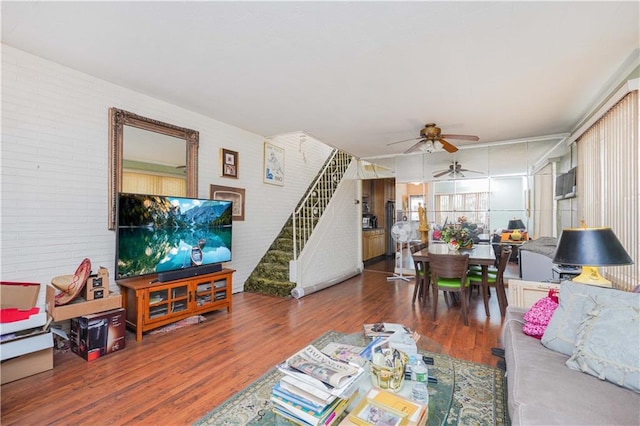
312,206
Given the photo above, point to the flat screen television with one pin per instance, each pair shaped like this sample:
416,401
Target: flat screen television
566,185
160,234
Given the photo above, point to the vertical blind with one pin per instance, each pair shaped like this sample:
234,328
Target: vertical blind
472,205
142,183
609,183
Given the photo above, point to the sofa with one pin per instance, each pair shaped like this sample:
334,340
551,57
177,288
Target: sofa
596,332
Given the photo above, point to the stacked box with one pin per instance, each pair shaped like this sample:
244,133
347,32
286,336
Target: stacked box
97,286
96,335
26,346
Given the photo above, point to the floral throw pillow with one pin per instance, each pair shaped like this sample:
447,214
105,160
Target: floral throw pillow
538,316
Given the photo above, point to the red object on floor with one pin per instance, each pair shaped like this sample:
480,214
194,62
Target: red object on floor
14,314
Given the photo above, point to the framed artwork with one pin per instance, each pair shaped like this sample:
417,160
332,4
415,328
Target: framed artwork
273,171
228,193
229,163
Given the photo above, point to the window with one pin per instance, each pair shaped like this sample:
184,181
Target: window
473,205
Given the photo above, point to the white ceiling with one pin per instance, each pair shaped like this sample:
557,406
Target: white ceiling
355,75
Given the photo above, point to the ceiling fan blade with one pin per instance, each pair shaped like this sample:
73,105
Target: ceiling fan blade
448,147
414,147
470,171
436,175
406,140
462,137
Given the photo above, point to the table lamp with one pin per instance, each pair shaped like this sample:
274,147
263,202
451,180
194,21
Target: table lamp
516,224
590,248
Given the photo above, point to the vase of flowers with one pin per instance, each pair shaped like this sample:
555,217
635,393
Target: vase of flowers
456,237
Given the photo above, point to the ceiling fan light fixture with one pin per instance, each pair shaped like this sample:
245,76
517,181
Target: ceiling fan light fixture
427,147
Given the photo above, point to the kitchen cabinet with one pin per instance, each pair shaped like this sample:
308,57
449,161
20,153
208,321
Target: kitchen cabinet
373,243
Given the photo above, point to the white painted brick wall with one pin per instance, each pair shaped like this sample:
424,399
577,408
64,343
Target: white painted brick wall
54,176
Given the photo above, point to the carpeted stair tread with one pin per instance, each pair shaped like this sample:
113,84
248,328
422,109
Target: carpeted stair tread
274,271
269,286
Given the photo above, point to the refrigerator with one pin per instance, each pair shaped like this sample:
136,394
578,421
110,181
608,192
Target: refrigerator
390,216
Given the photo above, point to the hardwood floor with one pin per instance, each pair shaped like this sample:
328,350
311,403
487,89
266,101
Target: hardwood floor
177,377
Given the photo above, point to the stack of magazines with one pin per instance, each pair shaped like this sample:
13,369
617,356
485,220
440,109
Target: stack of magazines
315,388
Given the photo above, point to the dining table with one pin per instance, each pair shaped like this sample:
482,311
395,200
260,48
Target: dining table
479,254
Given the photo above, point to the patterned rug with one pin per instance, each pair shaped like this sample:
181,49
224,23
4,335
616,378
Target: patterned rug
479,394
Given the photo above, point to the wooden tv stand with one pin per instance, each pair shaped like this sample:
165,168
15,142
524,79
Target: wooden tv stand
151,304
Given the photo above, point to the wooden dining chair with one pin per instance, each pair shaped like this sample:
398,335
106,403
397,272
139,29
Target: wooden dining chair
475,277
421,288
449,274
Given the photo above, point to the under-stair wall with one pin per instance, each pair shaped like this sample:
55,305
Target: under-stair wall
333,252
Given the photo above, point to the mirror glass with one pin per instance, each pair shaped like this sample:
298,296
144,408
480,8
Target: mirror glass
150,157
153,163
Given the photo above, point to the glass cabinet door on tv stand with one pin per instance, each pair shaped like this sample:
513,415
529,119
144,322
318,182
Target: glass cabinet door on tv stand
166,301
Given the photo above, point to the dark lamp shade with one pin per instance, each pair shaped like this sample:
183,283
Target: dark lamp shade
515,224
590,246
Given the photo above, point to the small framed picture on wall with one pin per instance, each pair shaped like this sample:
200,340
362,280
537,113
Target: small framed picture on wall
229,160
228,193
273,172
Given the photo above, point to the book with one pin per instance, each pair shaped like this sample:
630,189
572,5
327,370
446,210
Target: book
380,407
306,391
331,419
305,414
280,392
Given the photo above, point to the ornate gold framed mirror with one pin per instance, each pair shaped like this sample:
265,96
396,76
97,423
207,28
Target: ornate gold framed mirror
164,133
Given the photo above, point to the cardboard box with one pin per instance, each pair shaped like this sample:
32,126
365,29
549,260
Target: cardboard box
79,307
35,320
26,365
97,286
23,296
96,335
35,340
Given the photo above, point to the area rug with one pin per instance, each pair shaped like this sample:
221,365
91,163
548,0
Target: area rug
479,395
196,319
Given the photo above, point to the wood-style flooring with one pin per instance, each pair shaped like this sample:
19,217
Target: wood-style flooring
177,377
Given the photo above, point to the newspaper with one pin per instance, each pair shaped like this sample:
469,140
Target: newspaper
345,353
313,362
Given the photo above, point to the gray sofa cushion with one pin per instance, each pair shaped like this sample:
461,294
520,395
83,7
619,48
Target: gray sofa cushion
608,345
543,391
576,300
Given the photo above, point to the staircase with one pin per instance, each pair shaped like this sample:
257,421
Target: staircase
271,275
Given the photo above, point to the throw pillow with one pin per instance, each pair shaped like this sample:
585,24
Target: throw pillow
538,316
575,301
608,345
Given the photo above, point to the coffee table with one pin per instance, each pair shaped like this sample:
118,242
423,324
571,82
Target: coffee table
440,394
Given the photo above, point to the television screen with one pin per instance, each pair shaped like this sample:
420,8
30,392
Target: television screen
159,233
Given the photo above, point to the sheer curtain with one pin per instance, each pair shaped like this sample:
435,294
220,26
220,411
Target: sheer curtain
609,183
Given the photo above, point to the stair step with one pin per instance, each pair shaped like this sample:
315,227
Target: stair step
273,271
277,256
271,287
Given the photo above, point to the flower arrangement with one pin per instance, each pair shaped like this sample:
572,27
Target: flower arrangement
455,235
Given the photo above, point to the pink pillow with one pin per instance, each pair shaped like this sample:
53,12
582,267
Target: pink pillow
538,316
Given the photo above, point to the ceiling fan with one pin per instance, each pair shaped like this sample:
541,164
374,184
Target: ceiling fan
455,169
432,139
